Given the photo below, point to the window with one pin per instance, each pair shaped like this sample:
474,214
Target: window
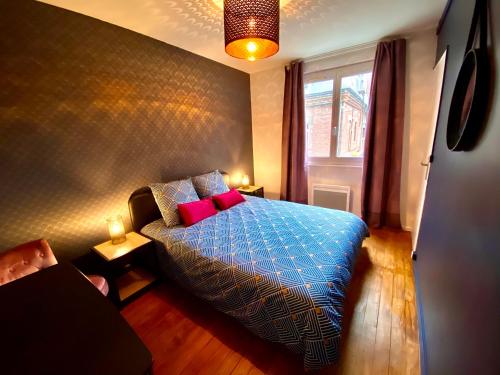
354,95
319,106
336,108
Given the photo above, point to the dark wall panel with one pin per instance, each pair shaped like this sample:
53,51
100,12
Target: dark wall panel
90,111
458,266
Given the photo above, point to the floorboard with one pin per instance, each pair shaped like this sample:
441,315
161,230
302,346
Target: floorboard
380,336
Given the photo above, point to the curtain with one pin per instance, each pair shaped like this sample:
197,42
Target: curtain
293,168
380,194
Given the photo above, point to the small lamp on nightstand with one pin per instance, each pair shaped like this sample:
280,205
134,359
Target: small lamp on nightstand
245,181
116,229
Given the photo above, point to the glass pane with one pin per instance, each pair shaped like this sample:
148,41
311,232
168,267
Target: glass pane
354,96
318,101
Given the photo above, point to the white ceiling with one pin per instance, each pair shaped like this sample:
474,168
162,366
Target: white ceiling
308,27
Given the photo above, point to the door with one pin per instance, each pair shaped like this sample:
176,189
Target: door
426,163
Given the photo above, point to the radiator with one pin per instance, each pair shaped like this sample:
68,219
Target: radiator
331,196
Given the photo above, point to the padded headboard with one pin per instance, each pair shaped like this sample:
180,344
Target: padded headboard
143,208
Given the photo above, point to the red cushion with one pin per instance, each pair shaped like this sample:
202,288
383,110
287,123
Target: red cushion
196,211
229,199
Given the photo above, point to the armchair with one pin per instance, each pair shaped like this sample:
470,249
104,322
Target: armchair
31,257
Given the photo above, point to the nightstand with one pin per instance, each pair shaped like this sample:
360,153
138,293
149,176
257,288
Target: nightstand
256,191
128,266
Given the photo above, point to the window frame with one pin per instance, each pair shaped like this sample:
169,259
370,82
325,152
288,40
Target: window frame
336,74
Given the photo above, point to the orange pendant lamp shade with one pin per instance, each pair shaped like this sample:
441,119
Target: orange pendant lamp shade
252,28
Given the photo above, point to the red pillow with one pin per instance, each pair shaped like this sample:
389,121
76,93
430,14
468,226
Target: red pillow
196,211
229,199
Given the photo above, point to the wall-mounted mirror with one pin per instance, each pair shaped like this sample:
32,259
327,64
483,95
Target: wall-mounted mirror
470,96
469,102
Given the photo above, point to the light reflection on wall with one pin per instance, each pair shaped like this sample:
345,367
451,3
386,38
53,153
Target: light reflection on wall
103,115
203,19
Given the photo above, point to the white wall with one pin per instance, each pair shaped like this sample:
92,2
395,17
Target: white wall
267,107
419,115
267,89
338,175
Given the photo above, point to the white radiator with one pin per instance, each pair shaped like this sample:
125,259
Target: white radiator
331,196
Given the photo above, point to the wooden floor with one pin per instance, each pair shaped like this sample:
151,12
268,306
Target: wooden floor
185,335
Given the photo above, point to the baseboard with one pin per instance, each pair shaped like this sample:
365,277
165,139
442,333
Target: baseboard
421,326
407,228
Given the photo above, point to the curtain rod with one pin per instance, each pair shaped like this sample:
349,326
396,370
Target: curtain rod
363,46
342,51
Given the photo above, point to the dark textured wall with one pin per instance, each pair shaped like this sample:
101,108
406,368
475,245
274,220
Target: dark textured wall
458,266
90,111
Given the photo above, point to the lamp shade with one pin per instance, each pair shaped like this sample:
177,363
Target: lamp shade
245,181
252,28
116,229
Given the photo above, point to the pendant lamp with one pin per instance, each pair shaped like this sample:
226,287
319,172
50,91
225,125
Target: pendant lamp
251,28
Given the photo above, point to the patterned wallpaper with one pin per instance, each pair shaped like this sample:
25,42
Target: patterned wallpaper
90,111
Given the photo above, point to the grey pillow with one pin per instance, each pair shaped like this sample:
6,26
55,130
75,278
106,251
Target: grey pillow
209,184
169,195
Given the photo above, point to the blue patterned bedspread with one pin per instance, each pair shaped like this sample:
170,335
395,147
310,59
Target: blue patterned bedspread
279,268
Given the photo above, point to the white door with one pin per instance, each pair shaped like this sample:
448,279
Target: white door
426,163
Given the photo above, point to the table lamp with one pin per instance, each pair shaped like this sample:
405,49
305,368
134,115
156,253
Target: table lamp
245,182
116,229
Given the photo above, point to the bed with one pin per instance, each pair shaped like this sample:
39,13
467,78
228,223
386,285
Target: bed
279,268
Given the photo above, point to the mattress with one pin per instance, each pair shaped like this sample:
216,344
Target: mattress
279,268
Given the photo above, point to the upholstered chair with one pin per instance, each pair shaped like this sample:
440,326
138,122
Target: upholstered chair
31,257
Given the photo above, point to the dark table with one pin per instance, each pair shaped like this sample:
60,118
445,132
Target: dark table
56,322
